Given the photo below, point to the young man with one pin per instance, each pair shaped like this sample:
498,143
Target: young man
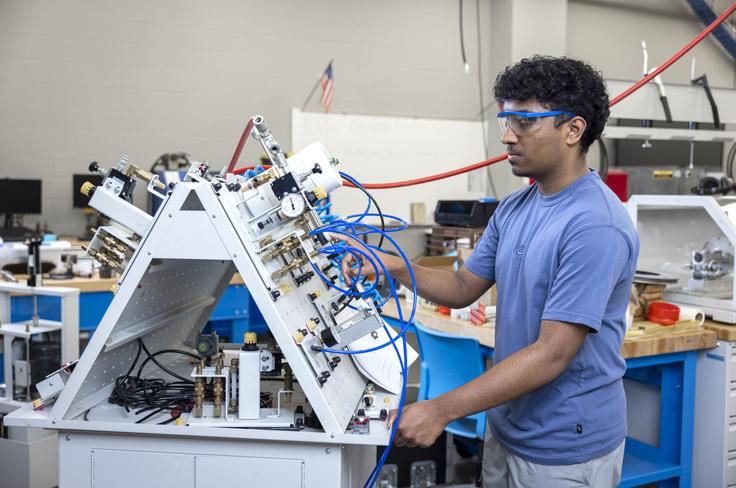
562,253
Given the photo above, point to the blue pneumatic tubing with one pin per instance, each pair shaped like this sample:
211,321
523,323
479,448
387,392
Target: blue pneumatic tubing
342,290
391,284
379,465
333,228
352,250
401,333
377,469
348,229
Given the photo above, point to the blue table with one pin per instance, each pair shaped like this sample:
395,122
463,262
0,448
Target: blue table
669,463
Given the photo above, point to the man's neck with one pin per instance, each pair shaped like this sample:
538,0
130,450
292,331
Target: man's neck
558,181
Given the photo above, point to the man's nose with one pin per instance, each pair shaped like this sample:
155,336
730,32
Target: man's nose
508,137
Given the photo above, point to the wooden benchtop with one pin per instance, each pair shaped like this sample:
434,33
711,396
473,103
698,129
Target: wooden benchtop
632,347
97,284
726,332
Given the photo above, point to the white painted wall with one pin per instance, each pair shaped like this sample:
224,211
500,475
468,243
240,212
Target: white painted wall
92,80
372,148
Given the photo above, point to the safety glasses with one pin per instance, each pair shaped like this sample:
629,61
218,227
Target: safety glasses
523,122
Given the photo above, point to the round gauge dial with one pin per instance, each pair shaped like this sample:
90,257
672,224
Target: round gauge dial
292,205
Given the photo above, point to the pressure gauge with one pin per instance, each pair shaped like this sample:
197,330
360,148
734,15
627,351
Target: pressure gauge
292,205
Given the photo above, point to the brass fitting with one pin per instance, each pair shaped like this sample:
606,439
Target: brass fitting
87,188
298,262
218,397
250,338
320,193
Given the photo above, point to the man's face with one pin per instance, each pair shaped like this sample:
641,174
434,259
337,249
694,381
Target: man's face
535,147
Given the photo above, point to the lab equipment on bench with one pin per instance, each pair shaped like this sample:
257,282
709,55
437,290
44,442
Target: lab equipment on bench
690,238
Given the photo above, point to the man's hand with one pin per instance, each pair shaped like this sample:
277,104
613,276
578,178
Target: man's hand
420,425
349,273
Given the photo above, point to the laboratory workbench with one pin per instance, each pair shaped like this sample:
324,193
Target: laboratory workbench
632,348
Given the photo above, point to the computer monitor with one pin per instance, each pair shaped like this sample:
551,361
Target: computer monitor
20,196
80,200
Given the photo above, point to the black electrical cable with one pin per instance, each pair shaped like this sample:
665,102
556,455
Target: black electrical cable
703,80
168,421
730,160
462,36
155,395
378,211
152,357
605,162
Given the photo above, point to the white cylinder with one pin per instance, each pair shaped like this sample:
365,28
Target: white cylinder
303,162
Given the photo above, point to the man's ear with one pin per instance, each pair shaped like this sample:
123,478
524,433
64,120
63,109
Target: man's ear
576,129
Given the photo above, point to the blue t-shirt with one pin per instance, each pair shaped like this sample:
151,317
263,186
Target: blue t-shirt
568,257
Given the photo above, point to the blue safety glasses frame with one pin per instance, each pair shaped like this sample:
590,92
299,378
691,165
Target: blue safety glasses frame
521,122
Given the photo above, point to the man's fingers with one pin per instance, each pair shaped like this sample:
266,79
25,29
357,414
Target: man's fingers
343,238
391,419
345,268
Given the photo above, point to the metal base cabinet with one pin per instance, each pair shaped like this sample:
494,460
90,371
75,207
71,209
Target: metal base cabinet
92,460
714,449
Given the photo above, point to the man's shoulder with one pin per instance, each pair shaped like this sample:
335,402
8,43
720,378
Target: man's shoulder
516,199
596,206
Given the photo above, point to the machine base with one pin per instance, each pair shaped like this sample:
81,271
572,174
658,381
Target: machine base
96,460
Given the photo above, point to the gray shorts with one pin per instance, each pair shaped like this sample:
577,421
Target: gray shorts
502,469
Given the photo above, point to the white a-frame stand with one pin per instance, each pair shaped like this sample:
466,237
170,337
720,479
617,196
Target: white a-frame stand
199,238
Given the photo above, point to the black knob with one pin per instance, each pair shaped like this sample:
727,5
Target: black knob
94,167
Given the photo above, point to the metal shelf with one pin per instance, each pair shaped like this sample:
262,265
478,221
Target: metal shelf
665,134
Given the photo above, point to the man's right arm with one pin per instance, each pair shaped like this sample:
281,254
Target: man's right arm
454,289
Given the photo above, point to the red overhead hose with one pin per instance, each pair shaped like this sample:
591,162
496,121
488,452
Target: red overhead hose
684,50
398,184
241,144
242,170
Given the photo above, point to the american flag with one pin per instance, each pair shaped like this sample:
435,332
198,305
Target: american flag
328,83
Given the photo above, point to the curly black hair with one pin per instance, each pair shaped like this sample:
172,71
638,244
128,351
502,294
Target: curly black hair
558,84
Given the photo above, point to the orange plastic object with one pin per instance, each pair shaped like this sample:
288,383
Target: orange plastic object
663,313
443,310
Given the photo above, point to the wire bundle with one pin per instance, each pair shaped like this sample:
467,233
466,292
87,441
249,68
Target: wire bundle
154,395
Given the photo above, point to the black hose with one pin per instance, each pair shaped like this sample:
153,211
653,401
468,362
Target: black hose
605,162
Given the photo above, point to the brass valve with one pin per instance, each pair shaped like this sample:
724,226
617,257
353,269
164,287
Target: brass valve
87,189
320,193
250,338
